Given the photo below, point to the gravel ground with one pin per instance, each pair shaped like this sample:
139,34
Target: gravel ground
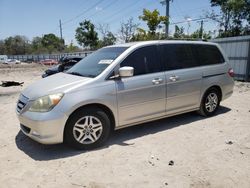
182,151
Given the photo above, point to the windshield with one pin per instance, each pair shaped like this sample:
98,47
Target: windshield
95,63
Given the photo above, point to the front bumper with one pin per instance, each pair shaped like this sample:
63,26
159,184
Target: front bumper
45,128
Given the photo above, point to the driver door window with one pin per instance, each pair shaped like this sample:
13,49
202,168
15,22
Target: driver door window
143,60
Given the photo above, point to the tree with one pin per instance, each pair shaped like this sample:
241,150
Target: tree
2,47
36,43
179,32
52,43
86,35
235,17
108,38
140,35
196,35
72,48
143,35
153,19
127,30
37,46
20,45
103,29
16,45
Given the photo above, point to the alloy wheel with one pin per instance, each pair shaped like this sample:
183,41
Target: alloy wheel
211,102
87,130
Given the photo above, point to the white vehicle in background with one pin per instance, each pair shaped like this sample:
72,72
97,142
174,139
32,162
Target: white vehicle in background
17,61
3,58
13,61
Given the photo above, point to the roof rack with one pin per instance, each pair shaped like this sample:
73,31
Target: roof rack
188,39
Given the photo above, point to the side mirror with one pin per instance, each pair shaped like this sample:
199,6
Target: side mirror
126,71
60,68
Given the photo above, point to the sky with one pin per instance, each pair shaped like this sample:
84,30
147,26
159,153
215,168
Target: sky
33,18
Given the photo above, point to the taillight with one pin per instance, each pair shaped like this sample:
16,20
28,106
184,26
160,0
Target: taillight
231,72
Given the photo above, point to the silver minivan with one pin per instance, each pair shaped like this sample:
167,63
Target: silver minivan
123,85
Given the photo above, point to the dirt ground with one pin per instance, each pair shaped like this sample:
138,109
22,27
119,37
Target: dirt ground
206,152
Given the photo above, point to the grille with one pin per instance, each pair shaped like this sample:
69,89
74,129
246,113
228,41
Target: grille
22,101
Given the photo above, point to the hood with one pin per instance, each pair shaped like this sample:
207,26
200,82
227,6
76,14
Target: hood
57,83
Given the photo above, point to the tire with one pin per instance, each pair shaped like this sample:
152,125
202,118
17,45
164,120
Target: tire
87,128
210,102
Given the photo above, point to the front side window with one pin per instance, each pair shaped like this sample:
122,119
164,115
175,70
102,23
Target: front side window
144,60
95,63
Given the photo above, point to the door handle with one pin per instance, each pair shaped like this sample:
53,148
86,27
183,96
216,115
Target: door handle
173,78
157,81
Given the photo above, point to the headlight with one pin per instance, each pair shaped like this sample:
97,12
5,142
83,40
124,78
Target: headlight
46,103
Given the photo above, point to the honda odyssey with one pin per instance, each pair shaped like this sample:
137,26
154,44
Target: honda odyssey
123,85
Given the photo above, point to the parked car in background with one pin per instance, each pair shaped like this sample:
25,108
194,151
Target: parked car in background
13,61
48,62
65,63
17,61
123,85
3,58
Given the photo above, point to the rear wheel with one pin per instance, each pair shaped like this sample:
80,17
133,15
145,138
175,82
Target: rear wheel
210,102
87,128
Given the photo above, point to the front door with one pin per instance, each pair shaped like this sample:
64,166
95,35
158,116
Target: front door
142,96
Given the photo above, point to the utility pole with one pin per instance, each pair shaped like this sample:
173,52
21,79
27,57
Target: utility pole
201,30
166,2
62,41
167,16
60,25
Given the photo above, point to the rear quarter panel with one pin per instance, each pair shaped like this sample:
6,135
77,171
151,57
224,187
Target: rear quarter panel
217,75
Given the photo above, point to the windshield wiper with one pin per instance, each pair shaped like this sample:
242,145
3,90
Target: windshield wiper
75,73
83,75
89,75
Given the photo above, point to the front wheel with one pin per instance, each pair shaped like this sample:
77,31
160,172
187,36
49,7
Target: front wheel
210,102
87,128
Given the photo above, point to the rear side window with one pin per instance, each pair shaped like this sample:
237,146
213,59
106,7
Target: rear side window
144,60
208,55
177,56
